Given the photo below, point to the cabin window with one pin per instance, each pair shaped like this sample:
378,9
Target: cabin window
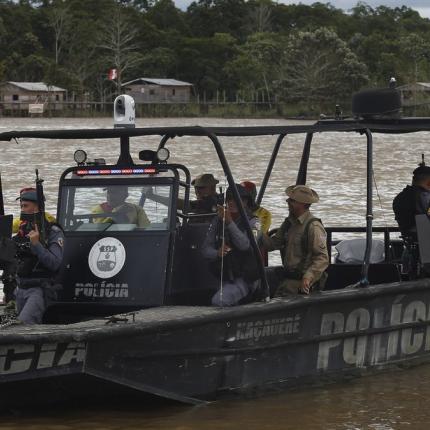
15,97
151,92
57,97
173,92
114,208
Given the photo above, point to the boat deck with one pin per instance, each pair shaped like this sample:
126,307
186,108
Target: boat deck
171,317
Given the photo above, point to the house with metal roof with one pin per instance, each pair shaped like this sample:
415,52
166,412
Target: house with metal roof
415,93
20,96
149,90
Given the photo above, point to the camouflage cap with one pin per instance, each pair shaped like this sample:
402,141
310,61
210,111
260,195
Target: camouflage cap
205,180
28,194
302,194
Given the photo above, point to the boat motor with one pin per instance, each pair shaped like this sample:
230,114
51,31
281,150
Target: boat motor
124,112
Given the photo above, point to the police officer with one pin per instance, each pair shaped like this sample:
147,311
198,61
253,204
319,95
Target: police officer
38,263
302,239
232,253
263,214
206,200
413,200
122,211
207,197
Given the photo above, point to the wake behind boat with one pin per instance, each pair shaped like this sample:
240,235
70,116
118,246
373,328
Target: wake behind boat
133,310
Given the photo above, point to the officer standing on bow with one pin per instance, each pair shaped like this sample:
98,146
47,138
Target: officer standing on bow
40,250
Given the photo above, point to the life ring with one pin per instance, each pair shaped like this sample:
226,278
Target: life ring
377,103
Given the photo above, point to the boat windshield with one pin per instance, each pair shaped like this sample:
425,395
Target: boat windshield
114,208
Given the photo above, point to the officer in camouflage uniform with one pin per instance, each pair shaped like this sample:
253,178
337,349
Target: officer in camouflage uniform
302,240
38,262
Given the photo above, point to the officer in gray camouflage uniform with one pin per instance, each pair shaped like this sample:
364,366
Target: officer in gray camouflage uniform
38,263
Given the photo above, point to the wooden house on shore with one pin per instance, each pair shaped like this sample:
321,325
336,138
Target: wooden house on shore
148,90
30,97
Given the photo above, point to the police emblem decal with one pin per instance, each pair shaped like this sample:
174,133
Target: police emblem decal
107,257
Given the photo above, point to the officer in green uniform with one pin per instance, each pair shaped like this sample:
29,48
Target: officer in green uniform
303,243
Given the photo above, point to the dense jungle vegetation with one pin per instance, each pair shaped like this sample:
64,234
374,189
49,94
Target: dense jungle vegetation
234,49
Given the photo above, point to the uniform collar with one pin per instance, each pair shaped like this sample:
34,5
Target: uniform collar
301,219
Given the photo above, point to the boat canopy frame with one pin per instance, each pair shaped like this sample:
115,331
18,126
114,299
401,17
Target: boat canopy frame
366,127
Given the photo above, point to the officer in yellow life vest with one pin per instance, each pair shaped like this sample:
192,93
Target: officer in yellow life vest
122,211
261,213
302,239
27,193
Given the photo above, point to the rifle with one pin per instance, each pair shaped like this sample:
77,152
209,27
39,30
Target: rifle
39,218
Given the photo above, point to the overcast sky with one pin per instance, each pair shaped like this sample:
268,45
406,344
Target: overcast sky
422,6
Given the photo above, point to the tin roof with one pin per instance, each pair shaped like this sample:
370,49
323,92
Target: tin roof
416,84
35,86
163,82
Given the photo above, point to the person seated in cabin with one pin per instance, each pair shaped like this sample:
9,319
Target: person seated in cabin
263,214
303,242
413,200
39,259
228,248
122,211
16,222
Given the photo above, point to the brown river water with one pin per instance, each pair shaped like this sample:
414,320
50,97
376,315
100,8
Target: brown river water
394,400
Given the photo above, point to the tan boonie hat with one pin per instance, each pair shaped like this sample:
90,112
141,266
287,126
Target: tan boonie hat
302,194
205,180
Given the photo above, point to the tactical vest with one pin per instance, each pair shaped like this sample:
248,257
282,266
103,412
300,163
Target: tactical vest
237,263
28,264
299,271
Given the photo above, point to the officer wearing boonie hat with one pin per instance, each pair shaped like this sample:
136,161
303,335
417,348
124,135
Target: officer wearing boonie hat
207,197
302,194
302,239
205,180
413,200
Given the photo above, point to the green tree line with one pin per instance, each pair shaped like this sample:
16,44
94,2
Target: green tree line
256,50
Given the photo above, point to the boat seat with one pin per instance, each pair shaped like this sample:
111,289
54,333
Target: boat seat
343,274
352,251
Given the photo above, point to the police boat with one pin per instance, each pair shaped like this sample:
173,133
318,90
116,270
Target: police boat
133,313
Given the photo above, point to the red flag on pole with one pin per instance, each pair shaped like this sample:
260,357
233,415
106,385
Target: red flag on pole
112,74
